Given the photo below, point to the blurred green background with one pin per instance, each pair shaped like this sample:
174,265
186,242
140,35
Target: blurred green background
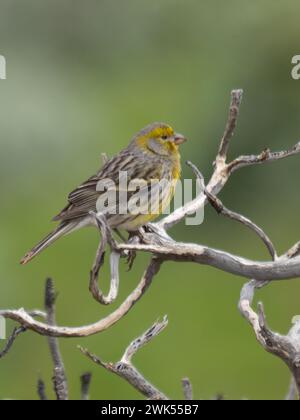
82,78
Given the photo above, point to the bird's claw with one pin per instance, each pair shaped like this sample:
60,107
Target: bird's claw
130,259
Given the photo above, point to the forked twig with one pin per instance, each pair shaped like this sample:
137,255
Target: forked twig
16,332
126,370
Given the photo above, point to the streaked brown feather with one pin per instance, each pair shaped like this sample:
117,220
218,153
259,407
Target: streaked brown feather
83,199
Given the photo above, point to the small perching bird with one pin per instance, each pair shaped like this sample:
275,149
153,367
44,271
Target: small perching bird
151,163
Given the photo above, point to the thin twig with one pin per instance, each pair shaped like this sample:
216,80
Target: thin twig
126,370
281,269
287,348
236,99
103,324
144,339
16,332
59,374
265,157
41,390
85,380
221,209
293,252
106,237
104,158
291,395
221,175
187,389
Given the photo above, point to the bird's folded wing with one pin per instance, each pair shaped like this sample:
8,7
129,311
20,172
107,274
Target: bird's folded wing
85,198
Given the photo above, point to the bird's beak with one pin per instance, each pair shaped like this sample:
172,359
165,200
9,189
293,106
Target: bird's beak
179,139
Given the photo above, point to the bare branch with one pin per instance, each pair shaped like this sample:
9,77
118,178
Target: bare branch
144,339
187,389
26,320
264,157
221,209
291,395
236,99
59,374
105,229
230,263
223,171
106,237
41,390
287,348
293,252
104,158
125,369
19,330
85,380
94,275
16,332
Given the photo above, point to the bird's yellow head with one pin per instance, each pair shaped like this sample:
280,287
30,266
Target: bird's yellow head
159,138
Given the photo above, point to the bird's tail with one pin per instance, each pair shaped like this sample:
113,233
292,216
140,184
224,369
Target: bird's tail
61,230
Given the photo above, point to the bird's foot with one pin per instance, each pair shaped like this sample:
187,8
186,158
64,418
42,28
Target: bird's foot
131,254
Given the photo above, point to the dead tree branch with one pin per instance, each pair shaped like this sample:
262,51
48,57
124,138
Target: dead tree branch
41,390
126,370
236,99
16,332
187,389
287,348
221,209
85,380
28,321
291,395
106,236
59,373
19,330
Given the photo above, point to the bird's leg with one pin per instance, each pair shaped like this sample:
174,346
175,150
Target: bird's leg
133,238
149,233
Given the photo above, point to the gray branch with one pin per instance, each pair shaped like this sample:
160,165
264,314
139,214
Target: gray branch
187,388
41,390
169,250
59,374
16,332
106,236
265,157
287,348
126,370
25,319
236,99
221,209
85,380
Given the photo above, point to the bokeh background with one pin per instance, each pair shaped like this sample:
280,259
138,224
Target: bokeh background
82,78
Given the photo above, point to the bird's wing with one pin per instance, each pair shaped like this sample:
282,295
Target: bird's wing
84,198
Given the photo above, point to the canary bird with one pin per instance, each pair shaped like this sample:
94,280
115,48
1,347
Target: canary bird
151,156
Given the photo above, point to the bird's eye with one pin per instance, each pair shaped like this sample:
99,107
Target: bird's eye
164,137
